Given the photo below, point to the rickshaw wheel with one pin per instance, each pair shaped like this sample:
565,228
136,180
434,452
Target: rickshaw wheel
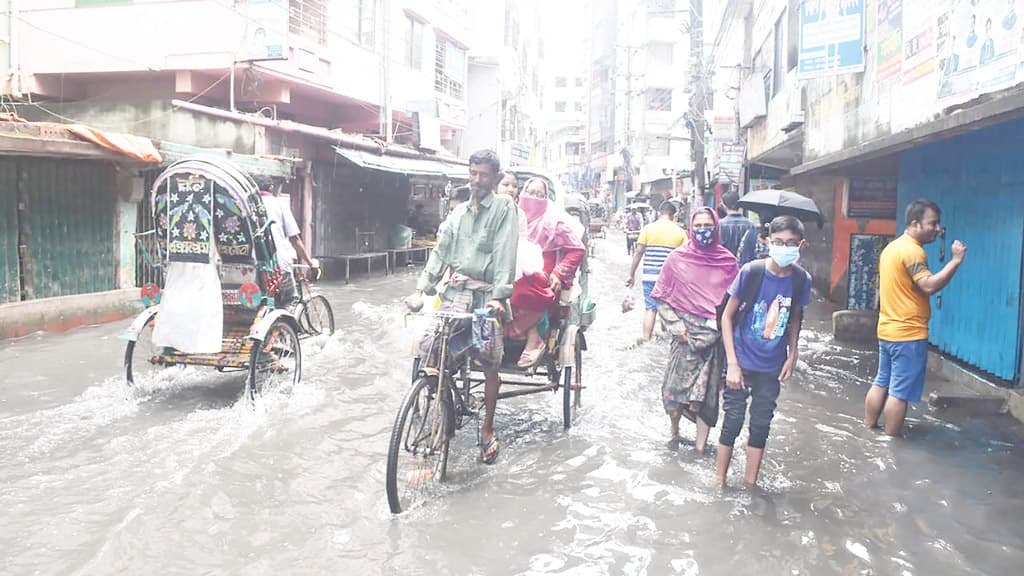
418,449
317,317
138,355
573,383
276,361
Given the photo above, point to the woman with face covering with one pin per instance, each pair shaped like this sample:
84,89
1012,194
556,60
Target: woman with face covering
549,227
692,285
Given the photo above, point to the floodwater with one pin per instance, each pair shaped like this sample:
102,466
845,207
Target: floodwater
180,477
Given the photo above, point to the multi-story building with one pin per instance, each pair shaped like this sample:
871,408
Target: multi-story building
505,72
639,130
297,78
565,97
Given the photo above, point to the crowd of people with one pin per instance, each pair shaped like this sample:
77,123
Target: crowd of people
730,297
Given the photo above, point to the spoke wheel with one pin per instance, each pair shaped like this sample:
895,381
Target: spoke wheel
317,317
418,450
140,356
276,362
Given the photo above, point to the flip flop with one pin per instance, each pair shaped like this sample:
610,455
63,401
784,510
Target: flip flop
486,448
530,358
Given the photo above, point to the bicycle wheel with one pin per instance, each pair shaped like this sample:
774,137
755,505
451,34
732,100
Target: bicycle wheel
317,317
276,361
418,450
140,356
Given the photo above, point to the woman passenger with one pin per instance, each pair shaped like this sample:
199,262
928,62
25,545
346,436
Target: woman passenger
551,228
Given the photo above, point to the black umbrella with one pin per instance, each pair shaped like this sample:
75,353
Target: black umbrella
771,203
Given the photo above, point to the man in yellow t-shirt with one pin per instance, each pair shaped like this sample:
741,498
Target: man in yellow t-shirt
656,241
904,285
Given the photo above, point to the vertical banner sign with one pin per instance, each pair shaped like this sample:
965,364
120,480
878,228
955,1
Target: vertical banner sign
862,289
732,161
266,30
890,39
980,48
831,37
189,218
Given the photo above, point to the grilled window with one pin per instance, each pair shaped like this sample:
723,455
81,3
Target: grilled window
450,69
659,99
308,18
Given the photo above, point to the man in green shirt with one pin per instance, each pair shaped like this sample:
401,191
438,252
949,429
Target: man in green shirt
477,242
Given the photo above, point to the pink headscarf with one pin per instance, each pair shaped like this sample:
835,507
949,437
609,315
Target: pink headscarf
695,278
547,224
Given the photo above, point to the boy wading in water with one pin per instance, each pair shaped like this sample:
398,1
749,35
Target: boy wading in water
760,330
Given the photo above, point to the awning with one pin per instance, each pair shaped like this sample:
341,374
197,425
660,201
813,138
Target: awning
402,165
255,165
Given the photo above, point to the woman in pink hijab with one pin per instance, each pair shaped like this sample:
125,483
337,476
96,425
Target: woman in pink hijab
692,284
548,226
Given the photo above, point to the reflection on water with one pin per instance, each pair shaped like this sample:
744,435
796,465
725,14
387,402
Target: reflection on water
178,474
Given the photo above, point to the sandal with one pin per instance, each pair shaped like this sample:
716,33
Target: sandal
531,358
489,451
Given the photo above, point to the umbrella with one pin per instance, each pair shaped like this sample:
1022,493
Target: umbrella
772,203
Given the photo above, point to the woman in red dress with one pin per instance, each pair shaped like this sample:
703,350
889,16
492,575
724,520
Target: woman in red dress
549,227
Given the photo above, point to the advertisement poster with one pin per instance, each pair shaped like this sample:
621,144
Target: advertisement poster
732,161
979,48
918,40
890,39
862,289
831,37
267,31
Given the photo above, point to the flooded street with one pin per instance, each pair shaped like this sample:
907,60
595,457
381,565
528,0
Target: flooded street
180,477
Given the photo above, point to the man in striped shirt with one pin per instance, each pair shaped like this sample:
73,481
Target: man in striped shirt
656,241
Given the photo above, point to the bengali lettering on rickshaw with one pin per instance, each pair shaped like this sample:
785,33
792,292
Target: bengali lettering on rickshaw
189,218
232,229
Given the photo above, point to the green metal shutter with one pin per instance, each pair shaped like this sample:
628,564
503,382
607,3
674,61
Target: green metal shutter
71,218
9,284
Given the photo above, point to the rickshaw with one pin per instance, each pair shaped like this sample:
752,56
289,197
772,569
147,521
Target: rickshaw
598,218
209,213
443,398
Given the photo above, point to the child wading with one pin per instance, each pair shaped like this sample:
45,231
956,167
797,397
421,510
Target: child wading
760,330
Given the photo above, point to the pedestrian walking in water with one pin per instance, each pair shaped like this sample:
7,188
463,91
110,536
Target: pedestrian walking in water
739,233
691,287
656,241
760,329
904,286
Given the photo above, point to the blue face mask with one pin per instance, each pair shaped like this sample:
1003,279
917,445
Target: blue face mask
704,236
784,255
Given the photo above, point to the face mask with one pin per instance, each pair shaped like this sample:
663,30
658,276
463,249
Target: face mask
704,236
533,207
784,255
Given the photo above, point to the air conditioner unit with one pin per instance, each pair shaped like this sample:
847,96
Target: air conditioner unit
794,111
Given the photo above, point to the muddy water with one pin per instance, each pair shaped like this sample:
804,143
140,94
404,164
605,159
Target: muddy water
177,477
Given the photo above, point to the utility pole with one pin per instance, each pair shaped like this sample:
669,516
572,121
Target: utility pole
385,73
697,100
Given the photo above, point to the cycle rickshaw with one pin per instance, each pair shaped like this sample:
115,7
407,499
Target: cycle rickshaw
598,218
211,222
443,398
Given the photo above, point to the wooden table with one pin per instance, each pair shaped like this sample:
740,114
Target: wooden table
423,251
369,257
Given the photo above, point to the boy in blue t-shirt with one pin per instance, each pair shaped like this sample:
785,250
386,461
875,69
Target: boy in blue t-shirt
761,344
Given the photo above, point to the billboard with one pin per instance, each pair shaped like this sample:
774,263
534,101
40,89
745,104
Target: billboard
831,37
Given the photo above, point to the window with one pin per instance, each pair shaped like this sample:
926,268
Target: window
413,43
573,148
661,8
793,31
578,106
559,106
659,99
560,82
579,82
779,55
660,53
450,73
357,19
308,18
